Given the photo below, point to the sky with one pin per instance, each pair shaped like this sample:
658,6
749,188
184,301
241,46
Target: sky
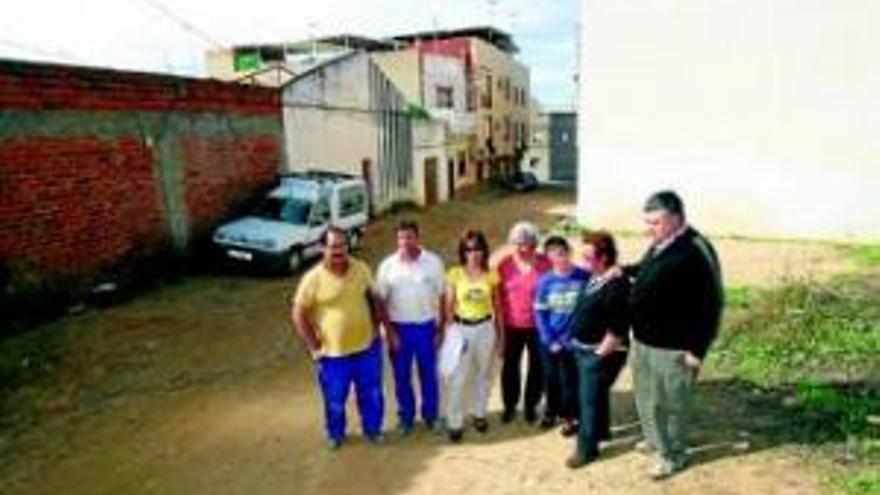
171,36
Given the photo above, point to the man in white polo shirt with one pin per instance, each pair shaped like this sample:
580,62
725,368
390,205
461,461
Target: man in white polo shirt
411,283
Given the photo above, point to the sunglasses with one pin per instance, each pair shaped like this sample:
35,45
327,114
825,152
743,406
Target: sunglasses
473,249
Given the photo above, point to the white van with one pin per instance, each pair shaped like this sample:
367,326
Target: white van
286,227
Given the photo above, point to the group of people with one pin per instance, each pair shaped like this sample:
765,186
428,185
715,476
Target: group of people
579,319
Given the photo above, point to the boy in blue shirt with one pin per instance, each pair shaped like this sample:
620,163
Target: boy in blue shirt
555,298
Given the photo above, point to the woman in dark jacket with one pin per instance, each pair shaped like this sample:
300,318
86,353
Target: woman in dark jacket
600,335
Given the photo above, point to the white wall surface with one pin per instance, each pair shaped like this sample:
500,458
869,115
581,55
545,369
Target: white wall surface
324,127
763,114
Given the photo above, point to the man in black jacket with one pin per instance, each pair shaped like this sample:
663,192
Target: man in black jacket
676,303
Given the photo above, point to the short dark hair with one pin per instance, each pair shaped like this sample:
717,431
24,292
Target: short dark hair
408,224
477,237
603,244
333,229
666,200
556,241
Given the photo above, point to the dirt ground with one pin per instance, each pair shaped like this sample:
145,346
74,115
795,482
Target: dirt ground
199,387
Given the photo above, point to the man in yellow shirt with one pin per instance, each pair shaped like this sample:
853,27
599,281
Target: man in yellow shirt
334,311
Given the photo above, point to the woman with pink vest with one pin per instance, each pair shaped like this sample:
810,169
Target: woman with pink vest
519,273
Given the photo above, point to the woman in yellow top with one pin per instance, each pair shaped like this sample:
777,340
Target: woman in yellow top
474,333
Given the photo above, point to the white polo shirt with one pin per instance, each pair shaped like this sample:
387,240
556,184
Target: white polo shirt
411,289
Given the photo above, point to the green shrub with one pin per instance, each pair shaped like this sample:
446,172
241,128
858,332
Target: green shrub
867,255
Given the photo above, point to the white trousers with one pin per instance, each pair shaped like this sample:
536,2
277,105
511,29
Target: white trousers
476,344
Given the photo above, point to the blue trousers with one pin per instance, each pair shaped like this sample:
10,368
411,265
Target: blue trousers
416,343
336,376
560,383
596,376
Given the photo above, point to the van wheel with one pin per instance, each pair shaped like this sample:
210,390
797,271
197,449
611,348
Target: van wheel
294,260
354,239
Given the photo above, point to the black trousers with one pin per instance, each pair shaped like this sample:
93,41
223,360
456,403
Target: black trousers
596,376
516,341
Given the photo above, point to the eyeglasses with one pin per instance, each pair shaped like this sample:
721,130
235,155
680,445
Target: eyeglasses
473,249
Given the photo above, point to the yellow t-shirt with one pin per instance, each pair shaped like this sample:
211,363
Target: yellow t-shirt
473,297
338,307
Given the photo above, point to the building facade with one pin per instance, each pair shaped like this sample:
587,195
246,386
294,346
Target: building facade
553,153
347,116
496,97
461,95
436,86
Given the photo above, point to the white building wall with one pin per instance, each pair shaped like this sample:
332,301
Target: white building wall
764,114
344,115
324,122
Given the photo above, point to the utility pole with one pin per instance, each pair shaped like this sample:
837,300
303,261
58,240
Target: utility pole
493,4
312,25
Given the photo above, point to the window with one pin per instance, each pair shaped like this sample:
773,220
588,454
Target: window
462,166
321,212
295,211
444,97
352,200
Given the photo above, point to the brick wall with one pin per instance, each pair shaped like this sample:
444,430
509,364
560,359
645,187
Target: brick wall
221,171
100,169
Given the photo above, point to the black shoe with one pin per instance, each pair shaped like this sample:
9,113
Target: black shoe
481,425
576,461
531,415
508,415
547,422
455,436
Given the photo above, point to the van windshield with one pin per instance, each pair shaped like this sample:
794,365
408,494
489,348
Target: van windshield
295,211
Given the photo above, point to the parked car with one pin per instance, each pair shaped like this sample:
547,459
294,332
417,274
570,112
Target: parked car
520,181
285,229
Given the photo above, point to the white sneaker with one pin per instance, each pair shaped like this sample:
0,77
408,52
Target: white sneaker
645,447
666,468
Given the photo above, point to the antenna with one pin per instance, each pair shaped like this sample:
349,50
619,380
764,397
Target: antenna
313,39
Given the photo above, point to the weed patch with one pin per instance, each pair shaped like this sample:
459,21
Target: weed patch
817,345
